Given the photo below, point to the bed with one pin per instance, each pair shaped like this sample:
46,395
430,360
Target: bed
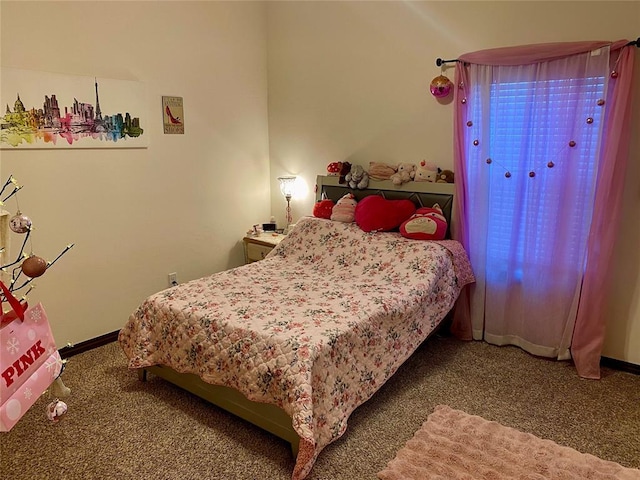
296,342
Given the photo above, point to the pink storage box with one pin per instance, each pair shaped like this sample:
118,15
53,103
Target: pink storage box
29,363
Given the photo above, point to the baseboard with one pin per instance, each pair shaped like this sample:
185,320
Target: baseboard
620,365
71,350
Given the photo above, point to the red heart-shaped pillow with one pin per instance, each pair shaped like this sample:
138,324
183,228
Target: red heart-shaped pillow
377,214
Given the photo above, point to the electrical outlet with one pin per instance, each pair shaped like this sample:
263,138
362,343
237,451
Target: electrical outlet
173,279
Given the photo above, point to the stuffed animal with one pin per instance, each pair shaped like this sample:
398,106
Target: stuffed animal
406,172
381,171
345,209
323,208
357,177
346,168
334,168
338,169
428,223
426,172
445,176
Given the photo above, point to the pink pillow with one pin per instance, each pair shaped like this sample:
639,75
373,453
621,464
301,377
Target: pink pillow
428,223
377,214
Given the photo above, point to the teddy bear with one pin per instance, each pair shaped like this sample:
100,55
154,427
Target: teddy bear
405,173
426,172
345,209
445,176
428,223
357,177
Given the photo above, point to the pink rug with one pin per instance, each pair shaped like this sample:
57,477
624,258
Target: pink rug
452,445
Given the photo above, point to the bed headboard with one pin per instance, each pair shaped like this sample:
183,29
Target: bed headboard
423,194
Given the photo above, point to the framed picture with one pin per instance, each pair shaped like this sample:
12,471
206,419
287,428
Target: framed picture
172,114
50,110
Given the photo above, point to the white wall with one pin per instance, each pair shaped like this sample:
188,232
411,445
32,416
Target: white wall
350,81
183,204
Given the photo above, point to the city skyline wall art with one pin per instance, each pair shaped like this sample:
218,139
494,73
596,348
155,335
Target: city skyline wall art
51,110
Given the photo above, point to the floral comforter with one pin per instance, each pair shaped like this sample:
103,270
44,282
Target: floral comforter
316,328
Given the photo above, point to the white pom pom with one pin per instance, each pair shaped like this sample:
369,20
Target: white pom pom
56,410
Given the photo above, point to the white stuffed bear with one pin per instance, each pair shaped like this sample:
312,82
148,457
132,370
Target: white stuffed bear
345,209
405,173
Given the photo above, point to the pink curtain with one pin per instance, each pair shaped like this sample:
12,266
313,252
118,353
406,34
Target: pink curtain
507,307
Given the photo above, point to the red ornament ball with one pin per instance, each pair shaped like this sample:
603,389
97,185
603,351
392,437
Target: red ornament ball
440,86
34,266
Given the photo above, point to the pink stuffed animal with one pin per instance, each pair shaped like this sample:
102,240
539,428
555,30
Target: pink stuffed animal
426,224
426,172
345,209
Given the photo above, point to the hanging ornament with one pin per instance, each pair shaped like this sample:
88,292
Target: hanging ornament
532,174
614,74
476,142
572,144
507,175
463,101
551,164
56,410
440,86
488,160
34,266
589,120
20,223
469,123
600,102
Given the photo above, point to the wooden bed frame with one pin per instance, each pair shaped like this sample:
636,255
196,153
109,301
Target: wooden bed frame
269,417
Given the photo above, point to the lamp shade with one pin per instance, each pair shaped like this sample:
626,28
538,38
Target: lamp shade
287,185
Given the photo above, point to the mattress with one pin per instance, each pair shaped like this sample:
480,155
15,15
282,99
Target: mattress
316,328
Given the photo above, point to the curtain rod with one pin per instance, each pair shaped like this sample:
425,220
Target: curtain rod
440,61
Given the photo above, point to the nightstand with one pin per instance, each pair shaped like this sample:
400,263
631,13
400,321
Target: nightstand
257,247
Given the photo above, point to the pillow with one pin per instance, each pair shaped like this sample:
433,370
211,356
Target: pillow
323,208
377,214
381,171
426,224
344,210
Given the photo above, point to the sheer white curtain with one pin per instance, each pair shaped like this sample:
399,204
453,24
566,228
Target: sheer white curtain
531,136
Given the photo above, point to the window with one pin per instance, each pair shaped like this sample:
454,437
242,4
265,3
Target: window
530,129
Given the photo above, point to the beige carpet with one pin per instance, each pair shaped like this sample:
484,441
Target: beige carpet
453,445
119,428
